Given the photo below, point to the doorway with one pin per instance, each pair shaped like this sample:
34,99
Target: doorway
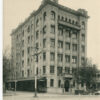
66,86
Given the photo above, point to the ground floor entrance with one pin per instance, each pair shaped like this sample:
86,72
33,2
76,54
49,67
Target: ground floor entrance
66,85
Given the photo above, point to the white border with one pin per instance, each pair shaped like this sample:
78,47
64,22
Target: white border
1,44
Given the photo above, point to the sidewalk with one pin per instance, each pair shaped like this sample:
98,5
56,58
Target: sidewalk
21,93
11,95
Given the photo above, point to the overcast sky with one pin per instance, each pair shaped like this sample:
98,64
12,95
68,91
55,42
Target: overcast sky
15,12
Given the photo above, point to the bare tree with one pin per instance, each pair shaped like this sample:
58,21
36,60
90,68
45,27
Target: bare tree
6,68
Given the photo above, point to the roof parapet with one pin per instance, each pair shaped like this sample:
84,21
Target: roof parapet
83,12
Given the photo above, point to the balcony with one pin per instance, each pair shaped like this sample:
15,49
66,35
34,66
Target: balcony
69,25
67,75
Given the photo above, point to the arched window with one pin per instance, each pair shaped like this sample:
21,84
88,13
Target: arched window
83,25
52,15
44,16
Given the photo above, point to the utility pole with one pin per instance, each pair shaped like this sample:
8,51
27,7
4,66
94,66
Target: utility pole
36,60
15,81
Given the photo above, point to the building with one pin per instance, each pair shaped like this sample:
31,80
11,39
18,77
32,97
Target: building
60,33
98,80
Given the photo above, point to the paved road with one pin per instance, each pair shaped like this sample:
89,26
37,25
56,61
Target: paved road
30,96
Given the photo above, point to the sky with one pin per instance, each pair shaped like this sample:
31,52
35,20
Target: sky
15,12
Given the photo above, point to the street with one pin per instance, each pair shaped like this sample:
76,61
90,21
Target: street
30,96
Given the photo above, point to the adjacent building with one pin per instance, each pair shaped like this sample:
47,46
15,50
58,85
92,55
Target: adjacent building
60,34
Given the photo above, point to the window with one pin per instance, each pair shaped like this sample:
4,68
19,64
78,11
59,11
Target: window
58,17
67,58
83,37
60,57
52,15
62,18
23,53
44,43
82,84
23,33
51,69
74,47
52,43
67,70
36,58
17,37
28,50
44,16
83,48
82,60
74,59
28,39
60,32
37,23
70,21
60,44
73,83
74,70
67,46
44,56
59,70
51,82
74,35
28,72
44,30
37,45
68,35
76,23
53,29
73,22
44,69
66,19
52,56
32,37
23,63
37,34
28,29
83,25
28,61
31,26
22,42
59,83
22,73
37,71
